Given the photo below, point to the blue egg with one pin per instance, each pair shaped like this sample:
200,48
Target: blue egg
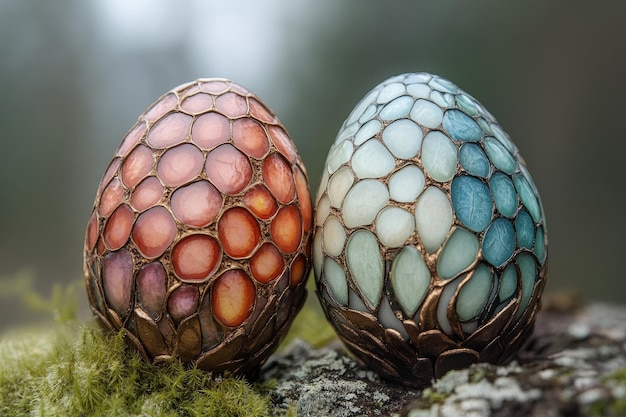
430,246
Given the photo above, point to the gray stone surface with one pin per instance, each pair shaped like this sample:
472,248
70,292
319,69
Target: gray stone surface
574,365
327,382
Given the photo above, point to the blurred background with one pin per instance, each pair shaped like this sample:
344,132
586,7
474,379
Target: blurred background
75,75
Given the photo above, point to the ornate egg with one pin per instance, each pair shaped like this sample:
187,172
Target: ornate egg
430,242
198,243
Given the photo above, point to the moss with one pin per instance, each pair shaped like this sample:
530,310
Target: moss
477,374
74,369
433,397
617,377
62,304
616,405
608,408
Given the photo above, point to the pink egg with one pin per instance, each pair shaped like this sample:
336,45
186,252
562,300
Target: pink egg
198,243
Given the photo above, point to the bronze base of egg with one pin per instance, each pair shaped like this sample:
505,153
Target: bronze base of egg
429,353
198,244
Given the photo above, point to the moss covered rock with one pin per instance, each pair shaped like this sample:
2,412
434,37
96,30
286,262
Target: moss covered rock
574,365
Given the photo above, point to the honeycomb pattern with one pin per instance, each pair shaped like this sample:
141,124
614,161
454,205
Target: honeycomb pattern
430,242
198,245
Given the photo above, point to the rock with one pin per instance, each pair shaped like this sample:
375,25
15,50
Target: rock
574,365
328,382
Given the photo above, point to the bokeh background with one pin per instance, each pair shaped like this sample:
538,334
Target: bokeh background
75,75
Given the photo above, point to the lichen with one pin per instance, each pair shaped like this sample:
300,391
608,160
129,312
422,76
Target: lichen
329,382
473,392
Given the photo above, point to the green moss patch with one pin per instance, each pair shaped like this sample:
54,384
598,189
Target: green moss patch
615,383
70,371
69,368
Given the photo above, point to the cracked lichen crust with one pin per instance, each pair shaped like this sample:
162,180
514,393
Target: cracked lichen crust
430,248
574,365
327,382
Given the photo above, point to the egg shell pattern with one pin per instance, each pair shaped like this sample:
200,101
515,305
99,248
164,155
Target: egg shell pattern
430,241
198,244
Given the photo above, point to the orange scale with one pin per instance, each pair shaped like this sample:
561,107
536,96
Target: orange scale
160,108
111,197
110,172
267,263
239,232
298,269
136,166
232,105
278,177
195,257
260,112
304,198
210,129
132,138
146,194
283,143
197,103
214,87
196,204
92,232
180,165
117,280
118,226
228,169
250,137
183,302
286,229
154,231
233,297
260,201
169,131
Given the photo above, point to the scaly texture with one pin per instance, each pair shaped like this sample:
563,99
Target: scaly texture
198,243
430,248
